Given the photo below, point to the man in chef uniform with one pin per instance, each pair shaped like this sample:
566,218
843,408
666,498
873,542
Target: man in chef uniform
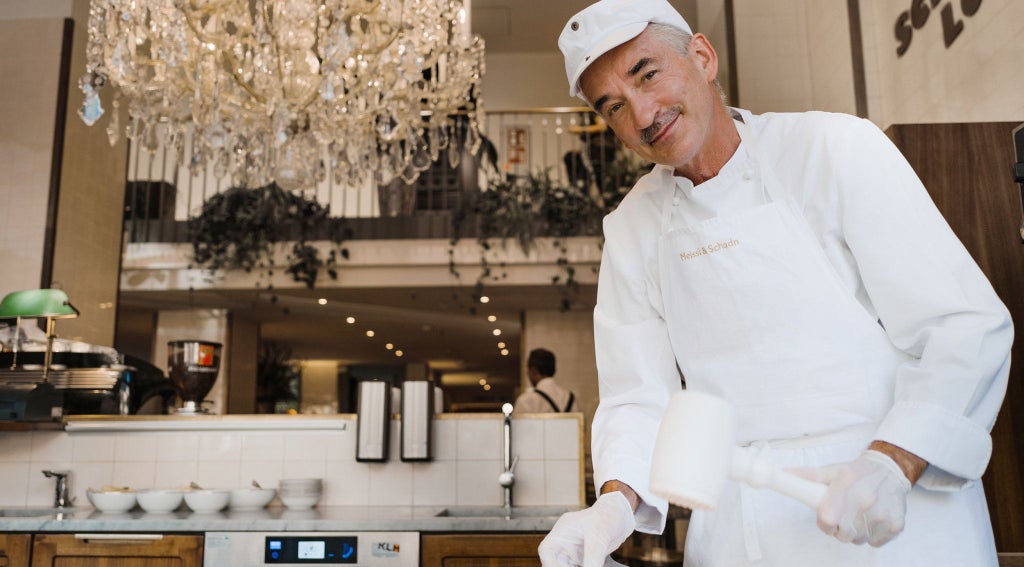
794,265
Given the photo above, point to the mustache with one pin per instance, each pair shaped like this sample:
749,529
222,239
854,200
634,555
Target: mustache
651,132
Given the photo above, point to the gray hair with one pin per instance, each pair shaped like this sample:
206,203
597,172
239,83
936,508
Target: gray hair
679,40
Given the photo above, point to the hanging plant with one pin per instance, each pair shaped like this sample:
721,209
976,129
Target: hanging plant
241,229
524,208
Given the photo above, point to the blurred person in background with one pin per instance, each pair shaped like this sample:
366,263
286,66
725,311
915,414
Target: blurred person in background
546,395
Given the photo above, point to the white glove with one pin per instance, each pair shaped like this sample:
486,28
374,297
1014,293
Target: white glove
586,538
866,501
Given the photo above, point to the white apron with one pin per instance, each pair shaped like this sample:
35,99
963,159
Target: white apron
757,315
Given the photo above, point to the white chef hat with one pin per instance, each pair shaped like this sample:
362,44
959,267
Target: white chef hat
602,26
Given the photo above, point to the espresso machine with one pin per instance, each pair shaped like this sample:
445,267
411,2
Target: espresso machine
45,385
32,396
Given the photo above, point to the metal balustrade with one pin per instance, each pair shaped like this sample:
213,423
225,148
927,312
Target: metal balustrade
569,145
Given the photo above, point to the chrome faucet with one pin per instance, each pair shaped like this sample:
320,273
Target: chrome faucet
508,478
60,496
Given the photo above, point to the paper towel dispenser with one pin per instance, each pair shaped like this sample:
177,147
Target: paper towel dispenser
417,419
373,421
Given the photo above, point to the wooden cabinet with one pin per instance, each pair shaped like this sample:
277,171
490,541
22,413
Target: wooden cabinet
14,550
480,550
967,169
117,550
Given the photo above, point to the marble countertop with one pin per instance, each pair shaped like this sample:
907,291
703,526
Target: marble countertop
336,518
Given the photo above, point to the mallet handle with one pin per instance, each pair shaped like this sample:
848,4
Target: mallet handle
749,466
806,491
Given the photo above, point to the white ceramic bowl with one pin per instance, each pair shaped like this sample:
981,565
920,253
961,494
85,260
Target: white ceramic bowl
251,498
112,502
207,501
303,502
156,501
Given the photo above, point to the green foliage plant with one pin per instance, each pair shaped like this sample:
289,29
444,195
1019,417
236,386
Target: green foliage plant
241,229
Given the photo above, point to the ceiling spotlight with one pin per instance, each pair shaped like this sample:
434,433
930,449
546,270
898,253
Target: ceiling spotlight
389,346
485,299
501,344
496,332
322,301
492,318
350,320
483,381
504,352
399,353
369,333
487,386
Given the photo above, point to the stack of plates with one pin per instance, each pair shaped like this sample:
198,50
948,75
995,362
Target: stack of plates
300,493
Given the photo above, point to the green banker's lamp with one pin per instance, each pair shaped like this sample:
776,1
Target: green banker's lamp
50,303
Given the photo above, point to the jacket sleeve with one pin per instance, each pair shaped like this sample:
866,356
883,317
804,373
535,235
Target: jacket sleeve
935,304
636,371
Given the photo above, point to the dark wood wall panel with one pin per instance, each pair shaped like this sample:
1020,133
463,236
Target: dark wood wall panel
967,169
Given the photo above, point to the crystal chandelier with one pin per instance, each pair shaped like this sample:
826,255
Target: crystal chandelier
290,90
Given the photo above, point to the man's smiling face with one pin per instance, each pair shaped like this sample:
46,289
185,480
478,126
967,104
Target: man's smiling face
659,102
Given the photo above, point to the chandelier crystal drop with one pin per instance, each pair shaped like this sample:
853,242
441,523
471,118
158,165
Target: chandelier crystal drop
290,90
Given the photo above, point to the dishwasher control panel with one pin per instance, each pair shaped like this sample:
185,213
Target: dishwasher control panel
291,549
300,550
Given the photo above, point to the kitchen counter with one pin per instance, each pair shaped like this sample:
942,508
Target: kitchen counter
336,518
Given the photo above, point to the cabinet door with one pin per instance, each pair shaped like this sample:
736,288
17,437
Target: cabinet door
967,170
14,550
480,550
116,550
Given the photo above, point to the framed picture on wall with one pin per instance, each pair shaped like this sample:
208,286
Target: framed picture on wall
517,145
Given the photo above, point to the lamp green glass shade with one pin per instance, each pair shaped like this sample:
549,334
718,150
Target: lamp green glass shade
37,303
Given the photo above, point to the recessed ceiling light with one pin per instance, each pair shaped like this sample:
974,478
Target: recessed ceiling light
485,299
369,333
483,381
501,344
399,353
492,318
389,346
496,332
504,352
350,320
322,301
487,386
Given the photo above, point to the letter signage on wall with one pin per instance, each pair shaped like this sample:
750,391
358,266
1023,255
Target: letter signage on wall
952,13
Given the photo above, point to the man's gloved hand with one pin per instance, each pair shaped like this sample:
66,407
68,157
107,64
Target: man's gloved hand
586,538
866,501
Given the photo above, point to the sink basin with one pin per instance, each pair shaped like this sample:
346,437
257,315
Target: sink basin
500,511
29,512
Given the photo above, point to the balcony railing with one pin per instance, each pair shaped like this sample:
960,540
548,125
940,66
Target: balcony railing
564,147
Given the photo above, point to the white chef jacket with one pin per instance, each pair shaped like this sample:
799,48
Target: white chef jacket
532,402
891,249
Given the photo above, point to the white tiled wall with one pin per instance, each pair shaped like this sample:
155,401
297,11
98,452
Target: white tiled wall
773,66
467,461
794,55
30,59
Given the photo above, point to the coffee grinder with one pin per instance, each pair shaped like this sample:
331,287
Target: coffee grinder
193,366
